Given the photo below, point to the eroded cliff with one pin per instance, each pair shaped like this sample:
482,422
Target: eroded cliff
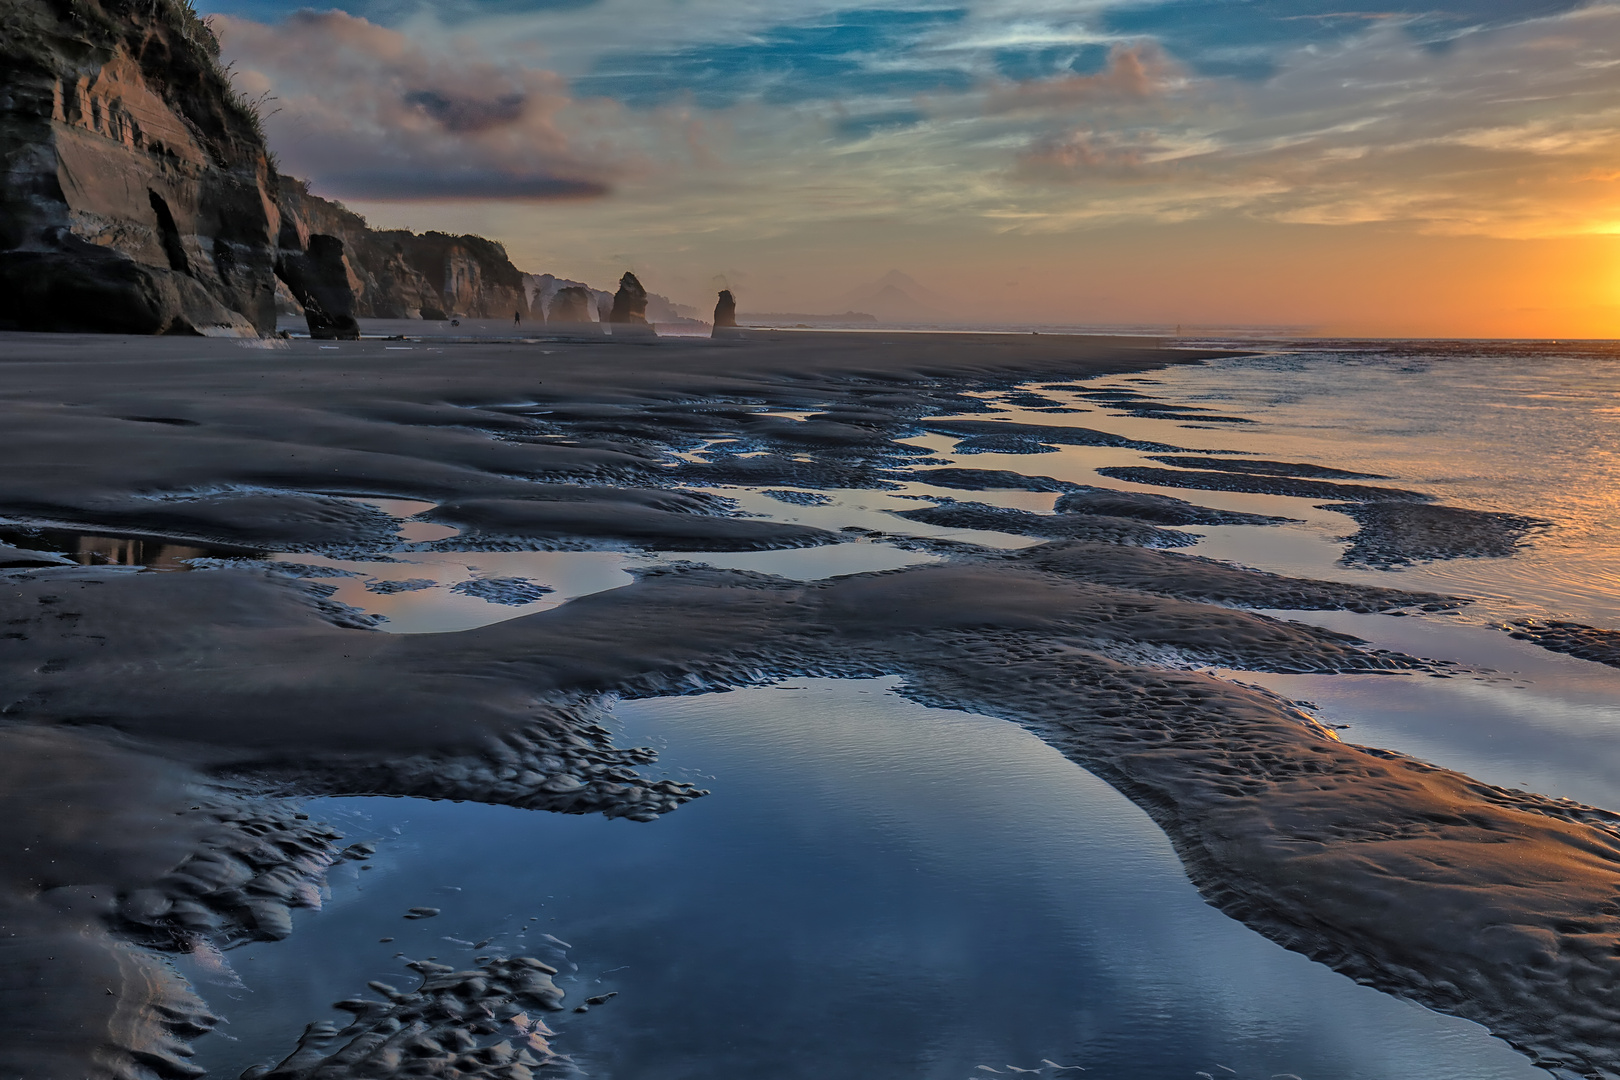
398,274
136,194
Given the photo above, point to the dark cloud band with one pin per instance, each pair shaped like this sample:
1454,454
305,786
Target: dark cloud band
410,185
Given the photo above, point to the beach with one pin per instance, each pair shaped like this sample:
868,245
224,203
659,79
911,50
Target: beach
226,594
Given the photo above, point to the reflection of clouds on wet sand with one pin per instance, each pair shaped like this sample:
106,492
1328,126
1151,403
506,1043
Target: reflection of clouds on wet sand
430,592
416,593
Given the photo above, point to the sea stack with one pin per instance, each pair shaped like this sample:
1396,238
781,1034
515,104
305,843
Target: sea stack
629,314
725,314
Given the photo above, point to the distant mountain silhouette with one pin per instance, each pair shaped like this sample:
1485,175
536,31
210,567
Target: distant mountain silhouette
897,297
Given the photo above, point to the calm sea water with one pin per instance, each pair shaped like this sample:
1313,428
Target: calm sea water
1527,430
880,889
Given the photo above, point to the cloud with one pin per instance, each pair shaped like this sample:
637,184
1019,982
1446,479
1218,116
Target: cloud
1252,40
1135,71
1089,153
461,185
816,56
367,113
468,114
728,121
1510,132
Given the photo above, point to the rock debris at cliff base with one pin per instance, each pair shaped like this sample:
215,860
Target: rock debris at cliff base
1092,644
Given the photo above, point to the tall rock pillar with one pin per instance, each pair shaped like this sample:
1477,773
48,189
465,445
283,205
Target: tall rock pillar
725,314
629,314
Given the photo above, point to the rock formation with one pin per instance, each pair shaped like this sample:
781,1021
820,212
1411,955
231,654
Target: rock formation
662,311
541,291
398,274
318,276
725,313
570,306
136,195
385,284
630,302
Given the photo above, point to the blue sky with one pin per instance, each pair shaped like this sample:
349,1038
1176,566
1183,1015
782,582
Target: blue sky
1213,36
787,51
693,132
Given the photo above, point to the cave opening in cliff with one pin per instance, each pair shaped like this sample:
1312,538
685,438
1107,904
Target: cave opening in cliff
169,233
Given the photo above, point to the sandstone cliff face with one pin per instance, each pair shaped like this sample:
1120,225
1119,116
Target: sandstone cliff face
137,196
474,276
135,191
571,306
545,293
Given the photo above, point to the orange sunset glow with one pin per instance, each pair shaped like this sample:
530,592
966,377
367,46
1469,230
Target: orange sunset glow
1185,162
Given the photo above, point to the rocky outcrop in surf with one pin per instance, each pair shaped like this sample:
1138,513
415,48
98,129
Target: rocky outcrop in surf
318,276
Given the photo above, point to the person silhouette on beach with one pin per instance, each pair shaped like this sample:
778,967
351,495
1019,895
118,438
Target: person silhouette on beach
517,318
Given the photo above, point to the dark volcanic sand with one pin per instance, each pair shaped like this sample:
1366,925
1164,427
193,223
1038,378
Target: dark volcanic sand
155,720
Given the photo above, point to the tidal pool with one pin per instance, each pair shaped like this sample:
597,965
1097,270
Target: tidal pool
874,888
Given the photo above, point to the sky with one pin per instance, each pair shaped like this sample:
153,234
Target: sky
1407,169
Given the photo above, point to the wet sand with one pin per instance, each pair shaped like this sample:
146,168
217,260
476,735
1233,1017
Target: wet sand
196,703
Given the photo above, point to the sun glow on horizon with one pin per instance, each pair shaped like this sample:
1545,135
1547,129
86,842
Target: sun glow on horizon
1107,166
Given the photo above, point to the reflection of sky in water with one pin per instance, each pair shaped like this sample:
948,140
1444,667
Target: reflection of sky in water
569,574
876,510
1522,717
415,532
1432,424
1489,433
1527,435
874,889
437,609
812,564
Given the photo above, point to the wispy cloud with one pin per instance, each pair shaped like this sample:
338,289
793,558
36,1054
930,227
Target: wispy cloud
1138,71
1493,135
